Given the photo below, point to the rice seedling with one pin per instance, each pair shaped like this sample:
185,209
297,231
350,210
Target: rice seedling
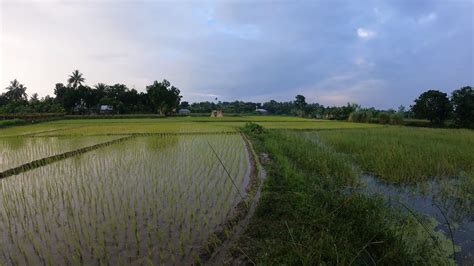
137,200
21,150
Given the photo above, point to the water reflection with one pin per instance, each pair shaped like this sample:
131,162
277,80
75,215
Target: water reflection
452,196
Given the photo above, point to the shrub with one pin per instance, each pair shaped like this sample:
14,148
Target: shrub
396,119
360,116
384,118
253,128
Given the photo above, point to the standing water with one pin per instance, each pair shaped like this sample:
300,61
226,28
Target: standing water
429,199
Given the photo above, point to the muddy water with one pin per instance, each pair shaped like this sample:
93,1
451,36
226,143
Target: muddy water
424,199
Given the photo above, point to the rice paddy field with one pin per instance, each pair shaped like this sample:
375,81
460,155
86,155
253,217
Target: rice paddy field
158,191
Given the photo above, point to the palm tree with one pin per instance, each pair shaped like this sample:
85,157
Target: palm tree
16,91
75,79
101,86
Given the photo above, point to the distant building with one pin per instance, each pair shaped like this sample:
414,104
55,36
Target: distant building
105,109
217,113
184,111
261,111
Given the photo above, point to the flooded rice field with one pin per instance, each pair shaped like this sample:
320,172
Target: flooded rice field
147,199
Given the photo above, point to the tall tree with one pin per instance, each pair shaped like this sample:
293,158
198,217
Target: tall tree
463,103
16,92
75,79
300,102
432,105
164,97
100,86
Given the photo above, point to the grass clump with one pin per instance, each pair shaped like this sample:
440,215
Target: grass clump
306,215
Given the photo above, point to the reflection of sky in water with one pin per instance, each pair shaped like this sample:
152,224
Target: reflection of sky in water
424,198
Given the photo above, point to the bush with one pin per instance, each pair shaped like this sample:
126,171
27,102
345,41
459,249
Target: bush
253,128
384,118
360,116
13,122
396,119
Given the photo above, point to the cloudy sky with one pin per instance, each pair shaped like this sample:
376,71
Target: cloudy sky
376,53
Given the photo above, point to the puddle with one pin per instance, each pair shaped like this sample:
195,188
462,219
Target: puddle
424,198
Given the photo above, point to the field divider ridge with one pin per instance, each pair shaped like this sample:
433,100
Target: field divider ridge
217,247
151,134
54,158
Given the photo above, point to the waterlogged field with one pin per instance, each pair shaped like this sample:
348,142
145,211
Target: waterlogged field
141,191
429,171
403,154
16,151
148,199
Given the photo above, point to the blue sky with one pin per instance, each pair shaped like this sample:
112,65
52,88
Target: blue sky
375,53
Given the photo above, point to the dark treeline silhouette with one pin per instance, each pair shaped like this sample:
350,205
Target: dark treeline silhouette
162,98
77,98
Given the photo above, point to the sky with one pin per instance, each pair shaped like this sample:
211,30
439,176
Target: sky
372,52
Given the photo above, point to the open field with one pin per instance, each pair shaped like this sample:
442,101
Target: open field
175,125
156,190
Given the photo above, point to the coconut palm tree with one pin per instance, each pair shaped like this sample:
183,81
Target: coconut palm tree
16,91
75,79
101,86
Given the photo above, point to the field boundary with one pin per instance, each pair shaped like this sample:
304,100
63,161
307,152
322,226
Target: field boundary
218,245
157,134
54,158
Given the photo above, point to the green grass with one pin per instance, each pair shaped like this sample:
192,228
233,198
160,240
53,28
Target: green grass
403,154
12,122
170,125
307,216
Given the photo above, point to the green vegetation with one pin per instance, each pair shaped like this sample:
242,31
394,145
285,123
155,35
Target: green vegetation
12,122
402,154
162,196
175,125
433,105
145,199
307,216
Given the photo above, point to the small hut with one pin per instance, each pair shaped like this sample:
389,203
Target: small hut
217,113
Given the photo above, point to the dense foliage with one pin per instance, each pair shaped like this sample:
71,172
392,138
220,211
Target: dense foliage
77,98
164,99
463,104
432,105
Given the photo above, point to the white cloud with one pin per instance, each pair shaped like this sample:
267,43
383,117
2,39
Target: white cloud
364,33
427,18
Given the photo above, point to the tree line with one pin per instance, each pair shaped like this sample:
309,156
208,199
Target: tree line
163,98
77,98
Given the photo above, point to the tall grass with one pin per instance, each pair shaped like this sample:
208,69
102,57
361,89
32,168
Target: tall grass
306,215
402,154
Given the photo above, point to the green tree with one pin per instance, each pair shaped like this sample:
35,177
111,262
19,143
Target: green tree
16,92
164,97
432,105
184,105
66,97
300,104
75,79
463,104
